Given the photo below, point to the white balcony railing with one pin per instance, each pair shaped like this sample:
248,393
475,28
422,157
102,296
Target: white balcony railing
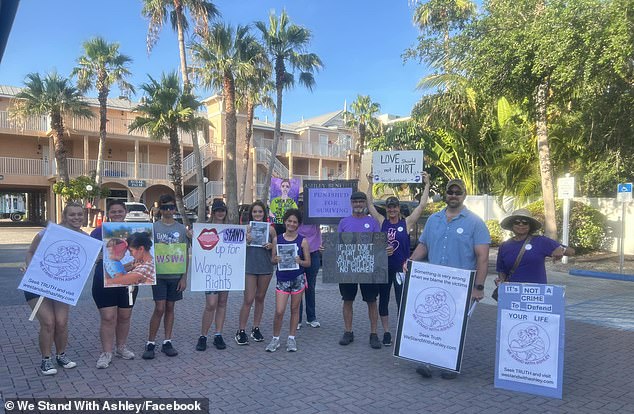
119,169
38,123
208,152
263,156
212,189
299,148
23,166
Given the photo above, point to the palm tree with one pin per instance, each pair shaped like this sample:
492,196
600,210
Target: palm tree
100,67
361,117
56,97
286,45
222,55
165,109
202,12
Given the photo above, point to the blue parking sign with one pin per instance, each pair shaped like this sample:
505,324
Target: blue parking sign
624,192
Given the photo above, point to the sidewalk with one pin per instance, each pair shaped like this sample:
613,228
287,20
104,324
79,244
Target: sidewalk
324,376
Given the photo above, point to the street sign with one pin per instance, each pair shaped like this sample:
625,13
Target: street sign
624,192
565,188
136,183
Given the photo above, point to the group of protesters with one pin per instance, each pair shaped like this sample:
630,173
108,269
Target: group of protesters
453,237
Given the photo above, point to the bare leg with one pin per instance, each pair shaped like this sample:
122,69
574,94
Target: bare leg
221,310
373,314
347,315
249,296
168,319
155,320
123,325
61,326
107,327
385,322
281,299
211,301
295,301
260,294
46,317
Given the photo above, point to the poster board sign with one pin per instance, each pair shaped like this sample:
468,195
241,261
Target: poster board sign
287,254
218,257
530,339
259,233
432,324
355,258
284,195
397,166
117,260
61,264
326,201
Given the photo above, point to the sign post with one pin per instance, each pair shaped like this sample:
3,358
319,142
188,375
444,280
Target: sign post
623,195
566,191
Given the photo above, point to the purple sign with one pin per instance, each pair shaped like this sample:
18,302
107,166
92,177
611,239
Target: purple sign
326,202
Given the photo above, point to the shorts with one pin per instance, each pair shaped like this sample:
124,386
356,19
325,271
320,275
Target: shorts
28,295
212,292
114,296
165,289
293,286
369,292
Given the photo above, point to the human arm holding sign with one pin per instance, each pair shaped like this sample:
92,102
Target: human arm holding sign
371,209
418,211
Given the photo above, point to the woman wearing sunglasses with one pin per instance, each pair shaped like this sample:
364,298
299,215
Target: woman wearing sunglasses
522,258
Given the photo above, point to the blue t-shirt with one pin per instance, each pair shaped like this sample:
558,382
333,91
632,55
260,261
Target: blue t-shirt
532,267
398,238
358,224
453,243
286,275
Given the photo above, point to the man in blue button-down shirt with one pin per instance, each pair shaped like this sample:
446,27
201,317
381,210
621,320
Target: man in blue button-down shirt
455,237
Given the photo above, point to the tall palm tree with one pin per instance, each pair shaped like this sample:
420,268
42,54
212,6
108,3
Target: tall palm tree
202,12
100,67
165,108
223,55
56,97
286,45
361,117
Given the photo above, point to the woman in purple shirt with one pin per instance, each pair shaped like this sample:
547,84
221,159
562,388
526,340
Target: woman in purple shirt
396,228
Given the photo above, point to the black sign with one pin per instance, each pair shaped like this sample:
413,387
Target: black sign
136,183
355,258
327,201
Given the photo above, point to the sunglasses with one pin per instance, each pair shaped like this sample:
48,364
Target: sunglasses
521,222
168,207
454,193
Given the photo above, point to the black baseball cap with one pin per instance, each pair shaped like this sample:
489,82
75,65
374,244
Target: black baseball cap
392,201
358,195
218,205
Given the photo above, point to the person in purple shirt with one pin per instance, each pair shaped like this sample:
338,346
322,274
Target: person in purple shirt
396,228
312,233
359,222
532,266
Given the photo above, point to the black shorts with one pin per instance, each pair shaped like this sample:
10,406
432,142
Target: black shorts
28,295
112,296
369,292
165,289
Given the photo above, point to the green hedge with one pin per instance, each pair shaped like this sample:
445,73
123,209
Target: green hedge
587,224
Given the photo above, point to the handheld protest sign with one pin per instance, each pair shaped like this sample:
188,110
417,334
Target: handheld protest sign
397,166
284,195
432,324
218,257
287,254
118,261
355,258
530,339
61,265
327,201
259,233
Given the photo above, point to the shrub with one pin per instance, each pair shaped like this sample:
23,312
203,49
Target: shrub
497,234
587,224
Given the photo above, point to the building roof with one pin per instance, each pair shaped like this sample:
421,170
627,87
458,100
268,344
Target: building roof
325,120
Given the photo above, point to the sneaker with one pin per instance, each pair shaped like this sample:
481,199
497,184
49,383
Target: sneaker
257,335
242,338
168,349
124,352
273,345
219,343
64,361
149,351
313,324
104,360
374,341
347,338
47,367
299,326
424,370
291,345
387,339
448,375
202,343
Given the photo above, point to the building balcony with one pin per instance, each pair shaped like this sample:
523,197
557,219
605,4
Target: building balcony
304,148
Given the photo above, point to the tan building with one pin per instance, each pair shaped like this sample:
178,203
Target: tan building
136,167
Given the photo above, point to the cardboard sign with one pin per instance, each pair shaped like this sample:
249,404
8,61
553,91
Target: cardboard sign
397,166
218,257
530,339
327,202
432,323
355,258
117,260
61,264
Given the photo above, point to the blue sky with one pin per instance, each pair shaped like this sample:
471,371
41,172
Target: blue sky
359,41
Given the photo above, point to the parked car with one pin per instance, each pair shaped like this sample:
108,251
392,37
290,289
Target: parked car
406,208
136,212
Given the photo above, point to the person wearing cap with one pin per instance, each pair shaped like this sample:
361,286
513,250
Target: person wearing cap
396,227
359,222
215,301
532,264
455,237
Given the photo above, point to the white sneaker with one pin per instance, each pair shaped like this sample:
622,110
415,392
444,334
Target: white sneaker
299,326
273,345
291,345
124,352
104,360
313,324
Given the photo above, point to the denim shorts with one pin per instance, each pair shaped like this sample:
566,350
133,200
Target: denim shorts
292,287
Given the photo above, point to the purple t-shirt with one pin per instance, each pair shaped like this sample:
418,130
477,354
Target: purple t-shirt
398,238
532,267
312,234
359,225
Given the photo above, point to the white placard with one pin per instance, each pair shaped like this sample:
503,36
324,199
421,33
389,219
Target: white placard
61,264
433,321
566,188
259,233
397,166
218,257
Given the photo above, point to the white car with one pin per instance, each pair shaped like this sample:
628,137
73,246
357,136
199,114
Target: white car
136,212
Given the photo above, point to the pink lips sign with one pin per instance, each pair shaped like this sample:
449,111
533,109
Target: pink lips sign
208,239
